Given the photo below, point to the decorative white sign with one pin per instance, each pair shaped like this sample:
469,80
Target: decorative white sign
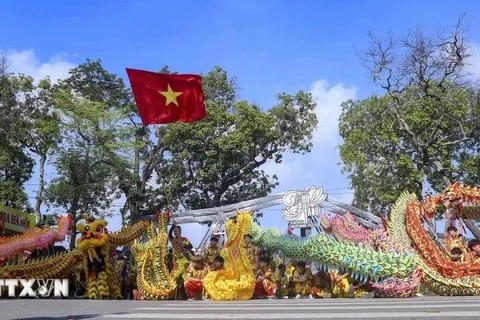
301,205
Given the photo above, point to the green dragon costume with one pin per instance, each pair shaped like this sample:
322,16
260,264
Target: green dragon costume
399,260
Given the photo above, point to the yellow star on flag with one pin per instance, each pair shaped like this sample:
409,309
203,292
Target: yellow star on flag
170,95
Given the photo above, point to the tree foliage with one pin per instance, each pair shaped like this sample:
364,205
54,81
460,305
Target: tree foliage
218,161
87,128
424,131
16,165
84,181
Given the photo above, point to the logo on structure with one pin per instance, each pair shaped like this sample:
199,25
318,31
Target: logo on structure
301,205
35,288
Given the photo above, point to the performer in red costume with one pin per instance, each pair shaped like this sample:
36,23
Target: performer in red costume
265,285
196,271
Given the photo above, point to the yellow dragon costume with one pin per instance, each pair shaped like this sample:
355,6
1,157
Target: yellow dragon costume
236,281
154,281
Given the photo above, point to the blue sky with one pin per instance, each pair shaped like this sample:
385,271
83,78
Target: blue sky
270,46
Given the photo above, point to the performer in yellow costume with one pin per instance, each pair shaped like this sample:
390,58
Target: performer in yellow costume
252,251
302,281
213,251
455,240
236,280
283,282
182,253
340,285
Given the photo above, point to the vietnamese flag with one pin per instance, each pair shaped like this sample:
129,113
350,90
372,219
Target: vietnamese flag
165,98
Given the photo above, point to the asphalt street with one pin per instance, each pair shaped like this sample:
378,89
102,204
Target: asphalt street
425,308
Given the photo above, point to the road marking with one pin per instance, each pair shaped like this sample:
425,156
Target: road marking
273,304
382,315
309,307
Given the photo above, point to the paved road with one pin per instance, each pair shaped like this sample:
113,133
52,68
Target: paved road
424,308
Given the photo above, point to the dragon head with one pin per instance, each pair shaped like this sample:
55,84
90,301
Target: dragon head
94,233
325,222
65,224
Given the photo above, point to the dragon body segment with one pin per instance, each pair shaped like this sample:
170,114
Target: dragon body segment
35,238
95,244
154,281
236,281
93,253
346,228
440,275
361,261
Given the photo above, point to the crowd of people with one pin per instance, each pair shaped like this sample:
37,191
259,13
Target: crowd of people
275,278
460,250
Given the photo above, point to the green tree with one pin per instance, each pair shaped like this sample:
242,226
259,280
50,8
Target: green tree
422,131
42,132
16,165
218,161
84,182
135,157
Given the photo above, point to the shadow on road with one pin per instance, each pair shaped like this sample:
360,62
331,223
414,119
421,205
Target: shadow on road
77,317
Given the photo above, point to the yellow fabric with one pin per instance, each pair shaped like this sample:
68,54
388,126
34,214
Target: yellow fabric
197,273
236,281
340,288
282,282
180,269
212,253
304,288
359,292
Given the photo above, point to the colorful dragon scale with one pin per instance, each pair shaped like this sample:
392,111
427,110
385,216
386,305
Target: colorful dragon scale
433,281
236,280
57,266
346,228
35,238
360,261
154,281
93,248
395,287
396,223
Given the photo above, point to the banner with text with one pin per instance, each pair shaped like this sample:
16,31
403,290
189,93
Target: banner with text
16,220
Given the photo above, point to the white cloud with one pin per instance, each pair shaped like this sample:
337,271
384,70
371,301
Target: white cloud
320,167
26,62
329,100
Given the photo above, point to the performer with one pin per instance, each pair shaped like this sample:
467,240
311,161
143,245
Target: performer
182,253
455,240
456,255
252,251
320,284
340,285
302,281
474,248
264,286
213,250
218,264
282,282
196,271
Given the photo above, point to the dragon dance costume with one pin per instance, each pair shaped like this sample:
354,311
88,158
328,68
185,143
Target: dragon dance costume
236,280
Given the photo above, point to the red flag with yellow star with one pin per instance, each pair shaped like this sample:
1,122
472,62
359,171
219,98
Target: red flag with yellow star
165,98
